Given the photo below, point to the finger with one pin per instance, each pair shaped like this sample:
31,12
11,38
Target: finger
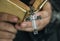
8,17
7,27
43,14
6,35
6,40
27,26
28,29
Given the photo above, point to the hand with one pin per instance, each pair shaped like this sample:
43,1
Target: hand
45,14
7,30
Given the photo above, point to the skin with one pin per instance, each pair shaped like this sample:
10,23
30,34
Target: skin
8,31
46,16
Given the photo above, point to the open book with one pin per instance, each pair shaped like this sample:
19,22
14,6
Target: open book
17,8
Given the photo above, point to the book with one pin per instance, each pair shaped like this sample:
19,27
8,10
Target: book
18,8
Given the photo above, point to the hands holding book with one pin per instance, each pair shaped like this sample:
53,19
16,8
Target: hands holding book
9,29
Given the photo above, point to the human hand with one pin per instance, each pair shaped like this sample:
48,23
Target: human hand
7,30
45,14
